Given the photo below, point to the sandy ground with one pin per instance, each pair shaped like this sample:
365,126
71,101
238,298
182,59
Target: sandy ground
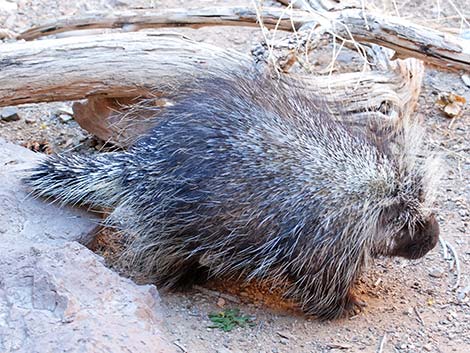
411,304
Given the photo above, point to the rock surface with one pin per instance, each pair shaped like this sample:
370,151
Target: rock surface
55,294
9,114
24,218
63,299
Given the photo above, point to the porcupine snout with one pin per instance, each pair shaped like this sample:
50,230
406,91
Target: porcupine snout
420,242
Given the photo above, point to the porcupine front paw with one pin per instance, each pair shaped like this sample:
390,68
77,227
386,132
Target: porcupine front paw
353,305
342,308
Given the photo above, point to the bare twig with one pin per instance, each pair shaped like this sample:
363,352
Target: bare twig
180,346
443,243
457,265
382,343
216,294
418,315
446,245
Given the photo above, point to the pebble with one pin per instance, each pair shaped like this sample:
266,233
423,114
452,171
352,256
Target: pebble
65,109
428,347
408,311
466,79
221,302
65,118
9,114
436,273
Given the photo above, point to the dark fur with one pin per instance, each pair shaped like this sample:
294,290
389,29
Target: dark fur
251,180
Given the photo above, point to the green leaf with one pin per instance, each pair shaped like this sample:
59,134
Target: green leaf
228,319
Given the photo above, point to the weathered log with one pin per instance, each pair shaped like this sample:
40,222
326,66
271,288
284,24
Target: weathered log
117,69
131,64
406,38
355,97
115,65
116,120
318,5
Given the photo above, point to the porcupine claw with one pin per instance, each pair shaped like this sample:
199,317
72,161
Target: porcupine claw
354,305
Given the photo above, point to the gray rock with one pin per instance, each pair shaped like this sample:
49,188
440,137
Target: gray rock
63,299
436,272
24,218
466,79
65,118
64,109
9,114
55,294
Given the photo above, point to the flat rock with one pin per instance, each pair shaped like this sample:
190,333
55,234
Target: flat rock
63,299
25,218
65,118
9,114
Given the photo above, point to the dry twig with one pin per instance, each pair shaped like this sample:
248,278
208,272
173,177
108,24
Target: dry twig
446,245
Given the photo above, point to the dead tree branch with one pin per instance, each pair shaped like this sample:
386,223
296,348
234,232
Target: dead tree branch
406,38
152,18
105,68
77,67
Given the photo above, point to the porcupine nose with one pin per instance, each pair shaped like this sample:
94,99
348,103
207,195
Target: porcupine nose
426,238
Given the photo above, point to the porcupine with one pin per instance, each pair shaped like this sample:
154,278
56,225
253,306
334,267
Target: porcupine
242,177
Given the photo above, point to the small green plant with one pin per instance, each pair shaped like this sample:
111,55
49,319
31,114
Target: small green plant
226,320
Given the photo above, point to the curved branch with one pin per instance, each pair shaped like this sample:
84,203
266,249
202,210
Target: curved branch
406,38
116,69
195,18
